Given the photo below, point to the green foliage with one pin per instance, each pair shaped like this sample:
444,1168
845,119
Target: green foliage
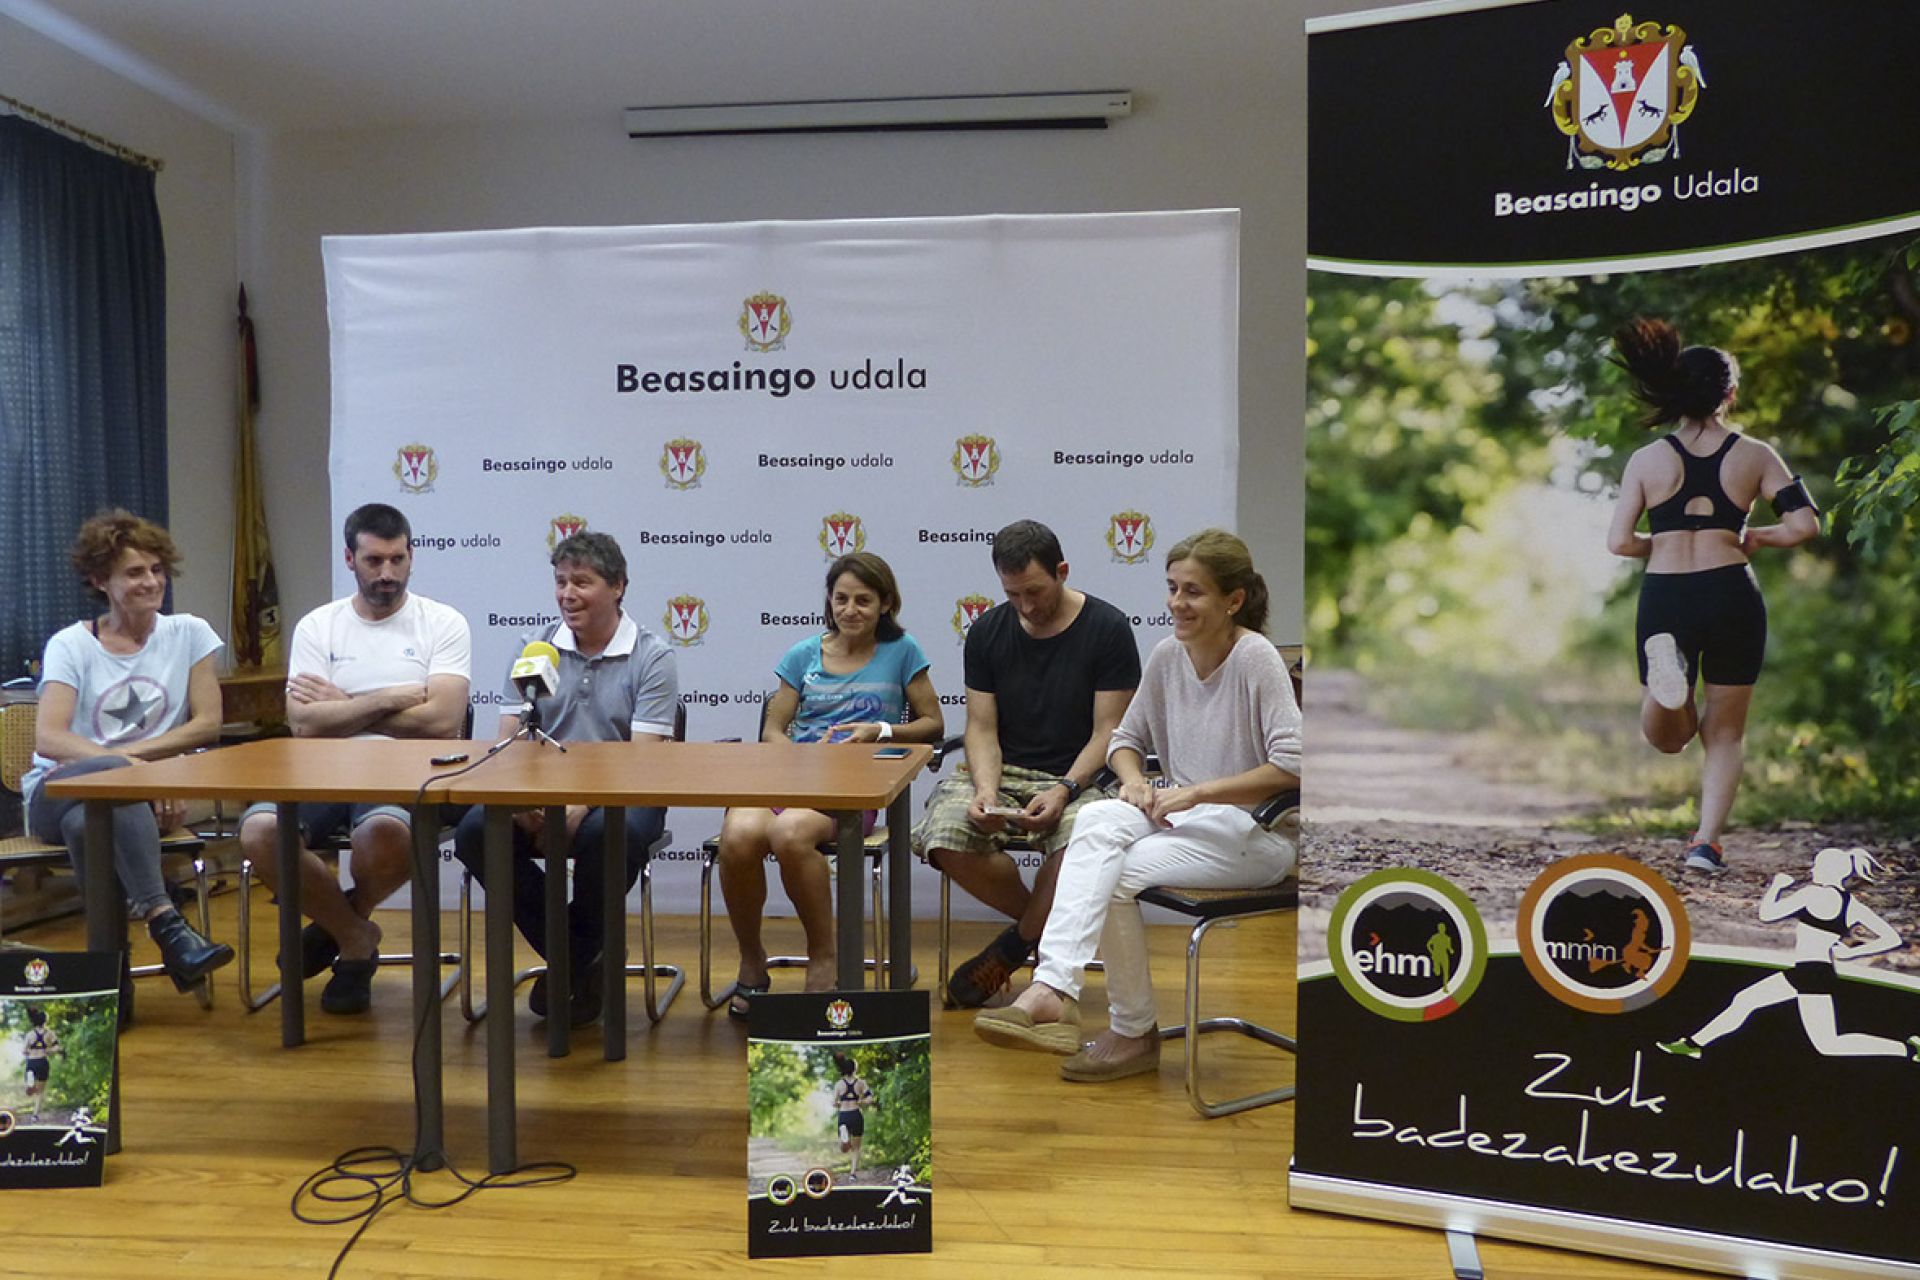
82,1069
785,1084
1432,413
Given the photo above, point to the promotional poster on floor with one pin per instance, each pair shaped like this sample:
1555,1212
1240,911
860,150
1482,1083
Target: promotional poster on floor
59,1020
840,1124
1610,902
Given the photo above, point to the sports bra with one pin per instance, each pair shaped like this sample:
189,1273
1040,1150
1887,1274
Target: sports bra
37,1042
1835,924
1700,478
846,1095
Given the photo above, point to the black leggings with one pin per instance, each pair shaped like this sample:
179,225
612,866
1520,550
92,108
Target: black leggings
1716,616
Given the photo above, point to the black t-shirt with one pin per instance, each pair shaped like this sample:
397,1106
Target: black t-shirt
1044,688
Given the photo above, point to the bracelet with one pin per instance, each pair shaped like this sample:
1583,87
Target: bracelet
886,731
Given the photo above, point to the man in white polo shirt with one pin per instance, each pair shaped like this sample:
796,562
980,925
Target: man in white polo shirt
380,663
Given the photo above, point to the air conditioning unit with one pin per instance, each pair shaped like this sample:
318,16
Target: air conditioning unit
866,115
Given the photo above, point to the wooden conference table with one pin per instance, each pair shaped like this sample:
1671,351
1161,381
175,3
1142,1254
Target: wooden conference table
843,780
289,771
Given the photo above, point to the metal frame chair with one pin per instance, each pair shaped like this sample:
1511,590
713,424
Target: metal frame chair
243,941
874,847
340,844
16,756
1210,907
1102,780
647,969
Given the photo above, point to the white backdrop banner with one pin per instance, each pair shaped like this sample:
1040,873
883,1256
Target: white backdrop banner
739,404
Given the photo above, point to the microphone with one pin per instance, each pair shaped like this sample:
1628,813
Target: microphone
536,672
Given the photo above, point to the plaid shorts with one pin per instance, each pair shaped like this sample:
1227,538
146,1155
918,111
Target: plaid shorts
944,825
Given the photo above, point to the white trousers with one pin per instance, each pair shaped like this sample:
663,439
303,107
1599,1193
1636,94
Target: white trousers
1116,851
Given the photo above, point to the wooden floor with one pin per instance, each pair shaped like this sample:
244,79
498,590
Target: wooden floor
1033,1176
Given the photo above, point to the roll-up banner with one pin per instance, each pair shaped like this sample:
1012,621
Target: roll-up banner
1610,907
740,404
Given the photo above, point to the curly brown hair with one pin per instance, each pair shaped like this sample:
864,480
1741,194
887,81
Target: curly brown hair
101,540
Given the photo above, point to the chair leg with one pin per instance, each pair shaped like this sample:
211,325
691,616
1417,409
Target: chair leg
204,992
946,937
706,939
879,930
243,963
1195,1027
656,1004
648,970
469,1010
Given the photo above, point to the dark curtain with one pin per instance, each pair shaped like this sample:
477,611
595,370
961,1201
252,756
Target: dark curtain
83,390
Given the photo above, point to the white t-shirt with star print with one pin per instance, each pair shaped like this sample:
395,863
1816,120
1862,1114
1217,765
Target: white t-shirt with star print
122,698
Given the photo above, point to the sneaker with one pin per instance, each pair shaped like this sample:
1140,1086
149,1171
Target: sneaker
350,990
1685,1048
1705,856
975,981
583,1000
589,984
1667,672
318,951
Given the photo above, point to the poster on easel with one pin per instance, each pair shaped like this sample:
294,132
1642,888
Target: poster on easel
1610,899
59,1022
840,1128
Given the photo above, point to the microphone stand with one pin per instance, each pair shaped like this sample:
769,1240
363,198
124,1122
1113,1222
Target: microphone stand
530,730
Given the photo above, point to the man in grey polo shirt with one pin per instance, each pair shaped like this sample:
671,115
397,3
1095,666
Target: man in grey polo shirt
617,684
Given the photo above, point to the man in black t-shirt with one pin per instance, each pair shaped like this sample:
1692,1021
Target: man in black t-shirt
1049,674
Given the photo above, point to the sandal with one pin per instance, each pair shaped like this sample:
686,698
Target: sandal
740,1003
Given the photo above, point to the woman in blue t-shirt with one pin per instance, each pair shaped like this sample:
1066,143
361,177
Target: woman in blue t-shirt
856,682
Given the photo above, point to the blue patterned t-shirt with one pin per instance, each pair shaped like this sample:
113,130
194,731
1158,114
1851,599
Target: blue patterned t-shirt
877,691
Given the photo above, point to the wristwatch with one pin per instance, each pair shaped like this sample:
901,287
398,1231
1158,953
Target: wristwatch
886,731
1073,789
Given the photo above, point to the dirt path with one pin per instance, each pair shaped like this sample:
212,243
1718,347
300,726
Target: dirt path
1377,795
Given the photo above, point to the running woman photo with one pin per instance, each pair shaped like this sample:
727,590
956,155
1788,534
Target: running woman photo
37,1056
850,1097
1829,924
1701,616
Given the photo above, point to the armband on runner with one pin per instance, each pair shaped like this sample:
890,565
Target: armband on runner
1793,496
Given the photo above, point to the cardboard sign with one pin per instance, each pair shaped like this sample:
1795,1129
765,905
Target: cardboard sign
840,1131
59,1022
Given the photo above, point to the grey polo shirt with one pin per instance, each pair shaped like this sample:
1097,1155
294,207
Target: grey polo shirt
630,687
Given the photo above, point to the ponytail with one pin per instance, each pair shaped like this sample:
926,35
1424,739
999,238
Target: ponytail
1673,382
1230,565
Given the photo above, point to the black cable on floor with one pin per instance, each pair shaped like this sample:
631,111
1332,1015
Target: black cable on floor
366,1180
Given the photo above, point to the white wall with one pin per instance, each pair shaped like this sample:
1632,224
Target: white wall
1199,139
197,214
1208,132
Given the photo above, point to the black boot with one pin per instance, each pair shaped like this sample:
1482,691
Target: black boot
187,956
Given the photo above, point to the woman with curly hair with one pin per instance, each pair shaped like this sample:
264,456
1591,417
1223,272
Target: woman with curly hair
1701,616
128,685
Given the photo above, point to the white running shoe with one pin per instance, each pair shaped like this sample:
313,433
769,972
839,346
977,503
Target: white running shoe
1667,672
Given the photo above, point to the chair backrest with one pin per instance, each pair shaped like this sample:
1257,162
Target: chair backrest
16,742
